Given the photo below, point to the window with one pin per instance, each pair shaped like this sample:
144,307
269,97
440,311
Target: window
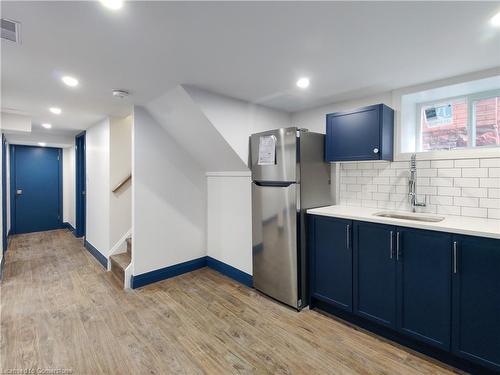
466,121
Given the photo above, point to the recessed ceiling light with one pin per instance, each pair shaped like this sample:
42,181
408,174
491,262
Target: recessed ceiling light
112,4
303,83
47,126
55,110
70,81
495,20
43,144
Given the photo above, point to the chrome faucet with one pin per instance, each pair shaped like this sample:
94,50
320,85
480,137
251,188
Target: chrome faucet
412,185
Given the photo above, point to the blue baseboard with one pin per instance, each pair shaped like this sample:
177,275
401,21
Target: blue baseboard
167,272
230,271
191,265
97,254
69,226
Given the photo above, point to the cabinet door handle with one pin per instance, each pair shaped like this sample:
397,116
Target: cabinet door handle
397,245
348,236
455,257
391,242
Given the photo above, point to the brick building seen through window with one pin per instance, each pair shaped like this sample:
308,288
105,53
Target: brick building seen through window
445,125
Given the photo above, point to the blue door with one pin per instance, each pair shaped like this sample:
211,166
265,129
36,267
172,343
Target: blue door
80,198
331,261
4,193
476,300
375,273
36,188
424,286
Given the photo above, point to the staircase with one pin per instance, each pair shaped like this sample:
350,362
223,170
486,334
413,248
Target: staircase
121,261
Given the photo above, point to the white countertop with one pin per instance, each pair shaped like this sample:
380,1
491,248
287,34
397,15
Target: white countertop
453,224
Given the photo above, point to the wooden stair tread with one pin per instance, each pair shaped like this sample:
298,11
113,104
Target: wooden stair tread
122,260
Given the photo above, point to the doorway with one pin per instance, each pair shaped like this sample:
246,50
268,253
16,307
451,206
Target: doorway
36,188
80,199
4,194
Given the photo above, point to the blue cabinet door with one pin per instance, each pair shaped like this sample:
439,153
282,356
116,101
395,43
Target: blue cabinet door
331,261
476,300
375,273
424,285
362,134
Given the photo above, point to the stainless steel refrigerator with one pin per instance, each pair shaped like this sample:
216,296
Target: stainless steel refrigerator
289,175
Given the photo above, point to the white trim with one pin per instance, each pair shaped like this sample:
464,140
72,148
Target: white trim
127,275
118,246
229,174
474,153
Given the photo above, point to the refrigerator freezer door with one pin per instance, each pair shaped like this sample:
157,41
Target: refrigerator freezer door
285,167
274,241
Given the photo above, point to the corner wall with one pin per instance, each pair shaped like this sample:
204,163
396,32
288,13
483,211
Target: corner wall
69,185
98,186
169,198
120,167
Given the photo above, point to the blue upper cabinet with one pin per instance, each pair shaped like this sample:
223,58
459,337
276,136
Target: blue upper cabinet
361,134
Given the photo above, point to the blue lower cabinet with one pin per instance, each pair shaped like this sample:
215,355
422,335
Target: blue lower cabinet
375,273
424,285
476,300
331,261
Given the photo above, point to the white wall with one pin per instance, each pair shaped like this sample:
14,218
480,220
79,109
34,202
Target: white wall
236,120
10,122
98,186
69,185
315,119
168,198
189,127
229,220
120,167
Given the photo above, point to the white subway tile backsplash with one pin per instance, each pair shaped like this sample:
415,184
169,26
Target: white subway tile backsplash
442,164
428,172
386,189
469,187
475,172
490,182
448,210
451,191
441,200
475,192
489,203
381,180
467,163
450,172
490,163
474,212
353,187
466,201
381,196
494,193
493,213
493,172
466,182
441,181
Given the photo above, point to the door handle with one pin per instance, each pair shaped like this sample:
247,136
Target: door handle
19,192
397,246
391,243
455,257
348,236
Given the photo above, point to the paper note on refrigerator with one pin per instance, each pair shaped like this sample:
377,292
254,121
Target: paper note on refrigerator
267,150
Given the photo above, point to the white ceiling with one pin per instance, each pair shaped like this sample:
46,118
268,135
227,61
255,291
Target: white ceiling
251,51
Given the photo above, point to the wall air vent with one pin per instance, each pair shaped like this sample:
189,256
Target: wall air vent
11,30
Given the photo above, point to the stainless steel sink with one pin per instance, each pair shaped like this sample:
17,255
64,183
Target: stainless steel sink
409,216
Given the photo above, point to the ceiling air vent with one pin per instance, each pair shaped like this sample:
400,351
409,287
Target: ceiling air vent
10,30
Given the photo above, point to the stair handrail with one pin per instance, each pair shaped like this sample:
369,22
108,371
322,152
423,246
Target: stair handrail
123,182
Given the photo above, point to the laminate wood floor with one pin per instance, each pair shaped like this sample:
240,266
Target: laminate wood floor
61,310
